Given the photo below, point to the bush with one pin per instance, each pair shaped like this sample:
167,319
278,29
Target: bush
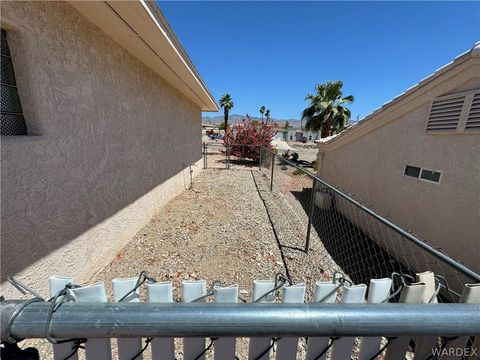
245,139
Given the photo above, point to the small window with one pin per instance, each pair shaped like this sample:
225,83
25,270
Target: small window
430,175
291,137
412,171
310,137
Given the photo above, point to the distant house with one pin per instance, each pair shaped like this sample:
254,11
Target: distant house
106,106
297,134
416,160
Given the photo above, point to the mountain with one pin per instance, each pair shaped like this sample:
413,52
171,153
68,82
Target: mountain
234,118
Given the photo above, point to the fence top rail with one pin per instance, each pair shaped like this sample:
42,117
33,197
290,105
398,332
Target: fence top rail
424,245
99,320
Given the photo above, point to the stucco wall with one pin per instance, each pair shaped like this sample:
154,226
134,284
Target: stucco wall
111,142
371,168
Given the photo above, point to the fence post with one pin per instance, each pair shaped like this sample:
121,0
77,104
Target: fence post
271,173
204,154
205,159
229,149
260,159
310,216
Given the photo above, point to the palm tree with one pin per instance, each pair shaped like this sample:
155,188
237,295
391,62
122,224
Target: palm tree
267,114
226,103
262,111
327,111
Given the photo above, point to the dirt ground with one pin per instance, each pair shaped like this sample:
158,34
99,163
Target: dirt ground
228,227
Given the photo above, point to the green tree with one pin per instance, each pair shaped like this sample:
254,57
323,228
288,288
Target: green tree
287,124
327,111
226,103
262,111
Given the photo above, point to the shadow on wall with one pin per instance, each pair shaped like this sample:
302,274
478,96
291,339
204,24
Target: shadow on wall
112,131
353,250
46,203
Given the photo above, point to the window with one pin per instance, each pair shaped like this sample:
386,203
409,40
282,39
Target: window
310,137
291,137
416,172
430,175
11,114
412,171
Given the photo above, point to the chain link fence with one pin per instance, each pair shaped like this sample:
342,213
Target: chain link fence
217,155
352,237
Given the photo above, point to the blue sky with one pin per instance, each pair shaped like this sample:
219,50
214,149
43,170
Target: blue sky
273,53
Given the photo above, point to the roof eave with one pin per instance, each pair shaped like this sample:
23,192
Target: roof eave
140,27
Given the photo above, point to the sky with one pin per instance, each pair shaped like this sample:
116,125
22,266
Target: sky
273,53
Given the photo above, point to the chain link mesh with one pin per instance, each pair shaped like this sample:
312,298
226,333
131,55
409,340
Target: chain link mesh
353,241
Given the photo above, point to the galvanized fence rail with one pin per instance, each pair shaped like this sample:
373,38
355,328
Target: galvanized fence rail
362,243
340,322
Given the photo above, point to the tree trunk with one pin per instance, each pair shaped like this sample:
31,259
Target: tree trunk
226,120
326,129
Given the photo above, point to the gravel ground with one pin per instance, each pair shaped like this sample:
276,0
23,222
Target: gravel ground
222,230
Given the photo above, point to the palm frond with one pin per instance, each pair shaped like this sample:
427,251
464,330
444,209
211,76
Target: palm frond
326,106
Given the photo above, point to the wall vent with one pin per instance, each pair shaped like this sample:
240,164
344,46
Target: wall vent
445,113
473,120
12,121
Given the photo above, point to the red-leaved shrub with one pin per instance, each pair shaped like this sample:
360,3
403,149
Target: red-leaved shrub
245,139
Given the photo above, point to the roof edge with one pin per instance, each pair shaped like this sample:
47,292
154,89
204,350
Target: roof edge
140,28
156,13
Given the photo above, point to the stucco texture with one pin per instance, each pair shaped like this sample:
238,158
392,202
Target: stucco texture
107,147
371,167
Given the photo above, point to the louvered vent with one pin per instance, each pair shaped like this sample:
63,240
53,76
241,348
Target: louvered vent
473,120
445,114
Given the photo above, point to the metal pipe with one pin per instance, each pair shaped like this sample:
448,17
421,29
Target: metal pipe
229,149
206,155
271,173
260,158
437,253
204,148
96,320
310,218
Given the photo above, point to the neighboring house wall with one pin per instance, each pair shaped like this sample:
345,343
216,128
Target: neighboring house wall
297,135
369,163
111,142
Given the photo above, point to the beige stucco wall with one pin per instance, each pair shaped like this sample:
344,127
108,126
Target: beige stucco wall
111,142
371,165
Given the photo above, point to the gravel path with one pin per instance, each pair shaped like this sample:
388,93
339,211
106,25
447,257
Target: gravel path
222,230
219,230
